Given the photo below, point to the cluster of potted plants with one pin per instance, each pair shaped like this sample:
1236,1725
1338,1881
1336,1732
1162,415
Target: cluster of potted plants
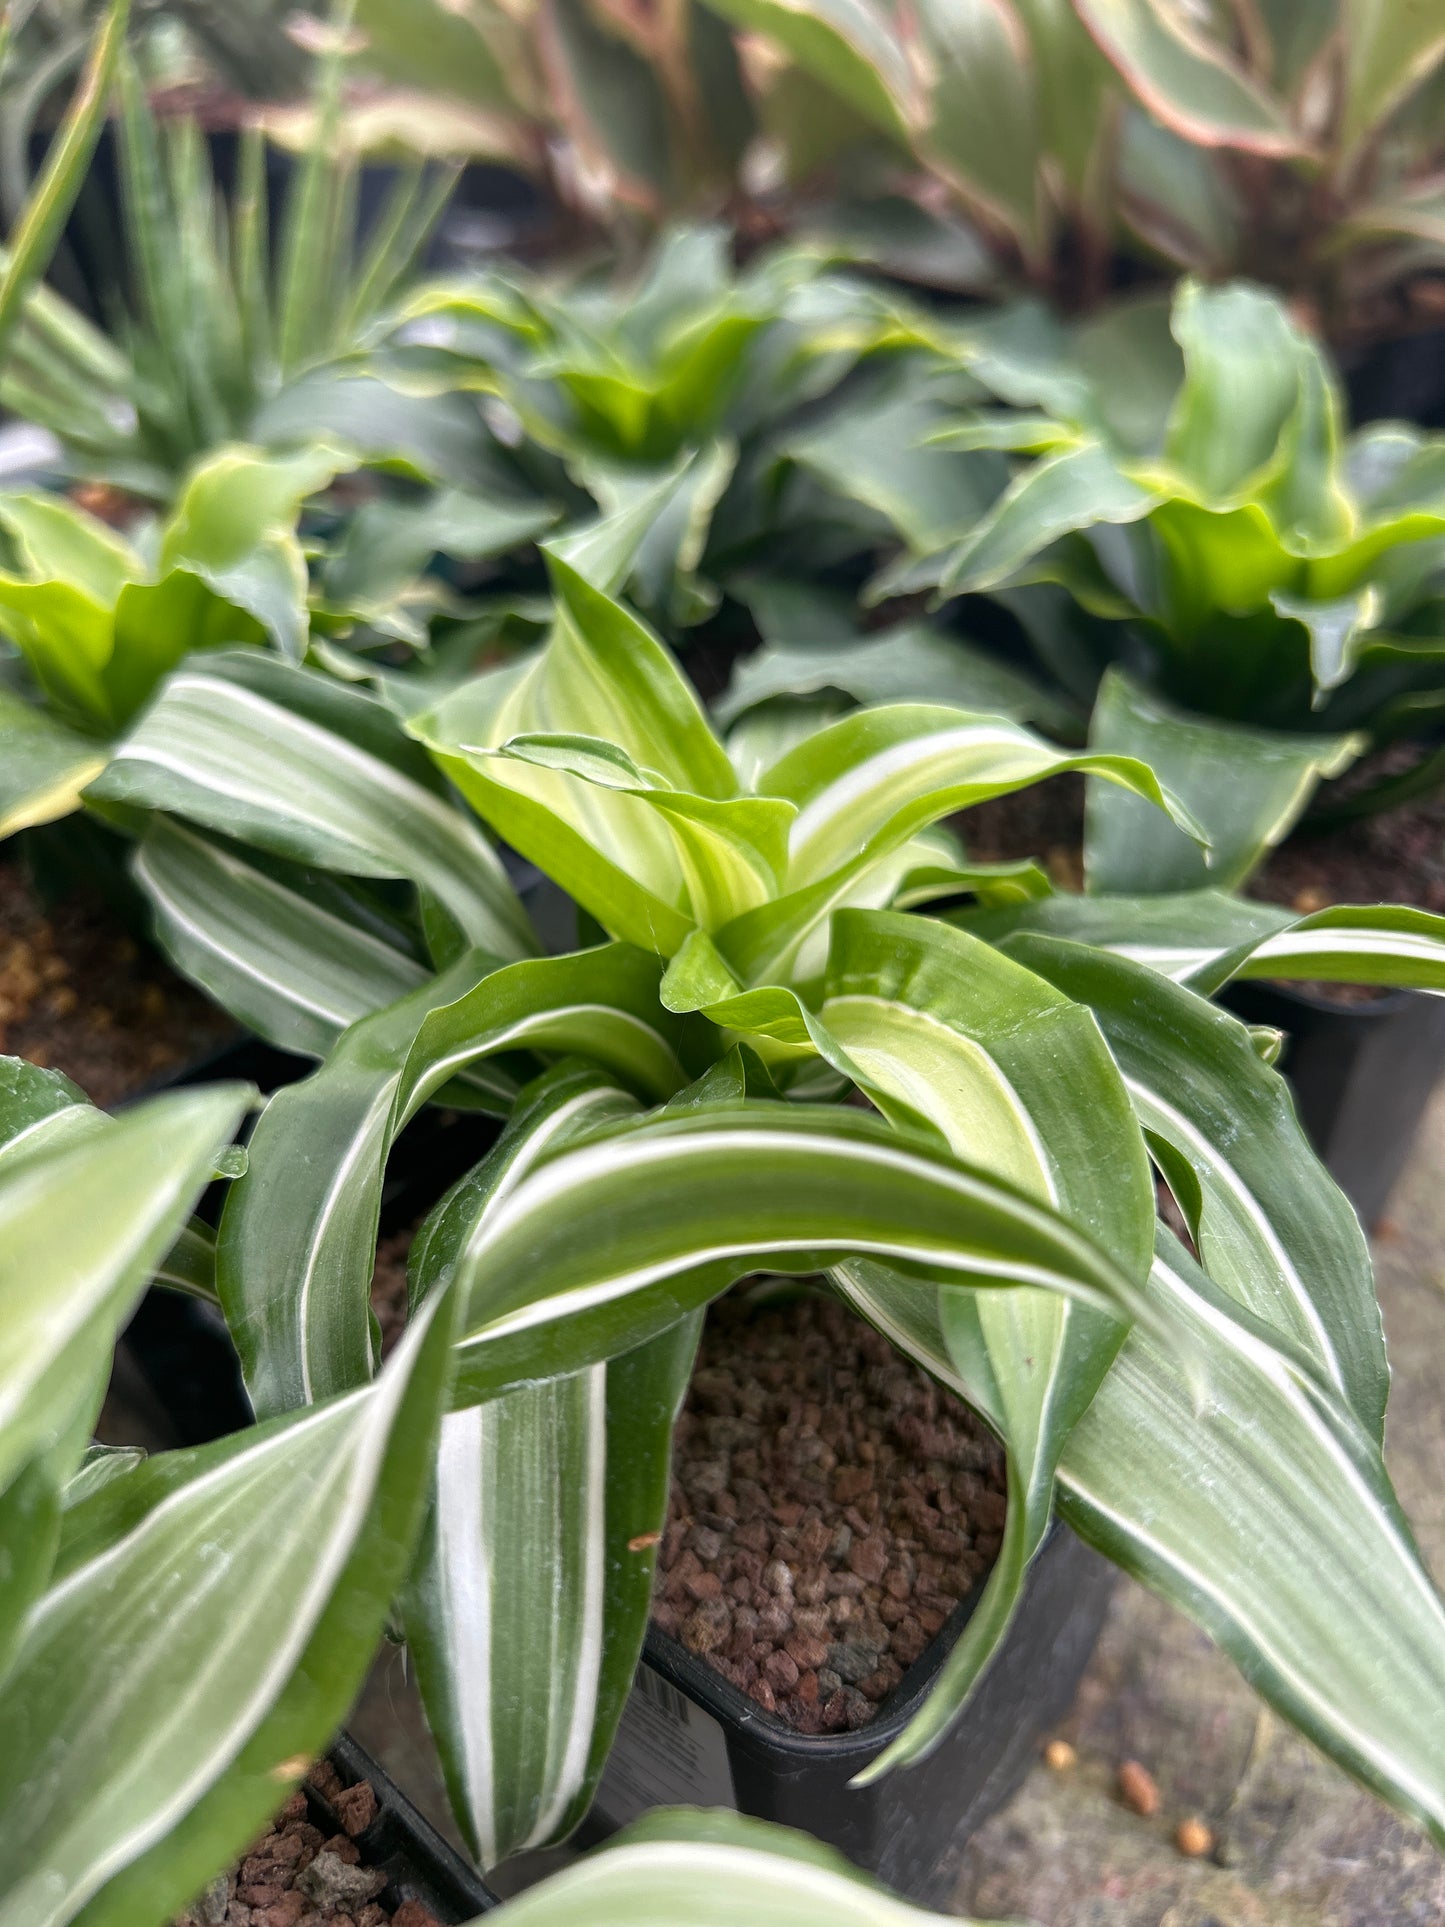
569,717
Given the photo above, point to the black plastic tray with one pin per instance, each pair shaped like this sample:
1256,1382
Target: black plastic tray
1362,1075
418,1863
910,1828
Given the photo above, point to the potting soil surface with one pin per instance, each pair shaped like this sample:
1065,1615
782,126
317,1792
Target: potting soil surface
830,1506
80,995
297,1875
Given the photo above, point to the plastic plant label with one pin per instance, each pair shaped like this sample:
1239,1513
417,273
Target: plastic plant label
668,1753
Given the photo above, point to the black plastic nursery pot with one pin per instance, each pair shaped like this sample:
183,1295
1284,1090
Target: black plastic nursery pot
690,1737
401,1842
1362,1075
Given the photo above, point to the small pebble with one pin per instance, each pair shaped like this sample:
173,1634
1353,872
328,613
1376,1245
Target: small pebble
1138,1789
829,1509
1193,1838
1060,1756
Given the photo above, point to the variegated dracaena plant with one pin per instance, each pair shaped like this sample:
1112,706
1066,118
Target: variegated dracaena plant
672,1126
180,1634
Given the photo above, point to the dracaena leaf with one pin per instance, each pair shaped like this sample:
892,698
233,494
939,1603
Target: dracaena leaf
140,1176
43,218
1203,938
983,131
909,662
43,765
665,1233
306,1211
849,45
1246,786
282,964
154,1726
548,1504
1269,1224
70,1277
863,787
714,1869
1074,489
289,760
1017,1079
1262,1509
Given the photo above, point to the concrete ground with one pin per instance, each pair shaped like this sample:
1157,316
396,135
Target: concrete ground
1299,1844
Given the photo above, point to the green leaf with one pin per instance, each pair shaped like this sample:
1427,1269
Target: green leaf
69,1279
1337,631
1183,934
549,1501
1017,1079
731,854
984,131
155,1725
44,216
1270,1226
847,44
875,445
273,957
1073,490
602,674
1388,50
43,766
1187,80
287,759
298,1233
665,1232
1263,1511
713,1869
234,527
1350,944
139,1177
1247,787
1251,383
911,662
386,545
863,787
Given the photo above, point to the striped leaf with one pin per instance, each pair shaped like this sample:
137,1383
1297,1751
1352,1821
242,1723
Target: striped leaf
211,1616
1262,1509
288,760
87,1211
1204,938
138,1176
862,787
712,1869
280,962
1270,1225
660,1200
298,1233
1018,1079
529,1603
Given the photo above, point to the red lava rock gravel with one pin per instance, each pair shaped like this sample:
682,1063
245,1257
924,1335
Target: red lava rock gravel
296,1875
830,1507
